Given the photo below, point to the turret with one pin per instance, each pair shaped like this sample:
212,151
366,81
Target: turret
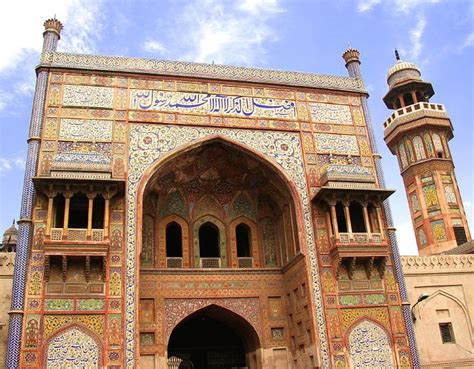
418,133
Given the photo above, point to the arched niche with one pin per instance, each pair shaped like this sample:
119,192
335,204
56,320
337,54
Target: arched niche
148,241
369,346
208,205
73,347
242,206
222,239
254,244
161,249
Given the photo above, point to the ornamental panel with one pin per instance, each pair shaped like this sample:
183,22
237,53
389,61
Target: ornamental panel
88,96
72,349
330,113
369,347
336,144
198,103
85,130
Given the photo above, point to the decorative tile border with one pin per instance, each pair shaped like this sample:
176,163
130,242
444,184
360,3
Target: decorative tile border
149,143
213,71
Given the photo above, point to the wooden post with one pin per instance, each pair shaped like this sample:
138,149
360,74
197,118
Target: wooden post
67,201
106,215
348,220
49,219
90,208
366,220
379,219
334,221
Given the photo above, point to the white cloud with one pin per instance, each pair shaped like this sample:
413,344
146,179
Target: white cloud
154,46
416,35
367,5
406,6
224,32
7,164
397,6
21,24
468,42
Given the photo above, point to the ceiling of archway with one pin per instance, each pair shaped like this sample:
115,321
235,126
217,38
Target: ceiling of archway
215,169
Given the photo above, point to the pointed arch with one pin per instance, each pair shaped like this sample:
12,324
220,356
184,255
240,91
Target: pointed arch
208,205
63,346
161,259
369,345
222,244
254,246
173,203
242,206
221,310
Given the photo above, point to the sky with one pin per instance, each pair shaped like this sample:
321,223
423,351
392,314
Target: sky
296,35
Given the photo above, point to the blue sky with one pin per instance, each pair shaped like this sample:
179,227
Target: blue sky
300,35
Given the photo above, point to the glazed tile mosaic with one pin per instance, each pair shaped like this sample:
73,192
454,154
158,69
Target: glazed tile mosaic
330,113
149,144
88,96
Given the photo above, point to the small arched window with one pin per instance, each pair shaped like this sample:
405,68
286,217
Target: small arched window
174,245
438,145
243,238
419,148
403,155
357,217
209,241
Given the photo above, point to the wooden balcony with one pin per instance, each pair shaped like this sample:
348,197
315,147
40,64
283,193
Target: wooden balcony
359,245
76,241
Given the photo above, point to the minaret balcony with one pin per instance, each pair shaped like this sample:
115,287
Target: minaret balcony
405,117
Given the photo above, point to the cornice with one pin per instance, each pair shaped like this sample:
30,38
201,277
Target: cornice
200,70
438,263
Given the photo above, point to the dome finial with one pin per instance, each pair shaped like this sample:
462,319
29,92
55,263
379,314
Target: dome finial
397,55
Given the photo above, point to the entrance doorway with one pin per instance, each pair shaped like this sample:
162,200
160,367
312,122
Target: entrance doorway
212,338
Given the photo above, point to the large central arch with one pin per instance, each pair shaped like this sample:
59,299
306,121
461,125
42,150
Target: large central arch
214,337
279,152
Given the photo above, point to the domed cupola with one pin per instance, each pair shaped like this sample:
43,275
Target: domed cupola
10,237
405,85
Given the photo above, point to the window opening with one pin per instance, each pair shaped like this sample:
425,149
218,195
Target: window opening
341,218
78,211
408,99
98,212
209,241
174,246
447,334
242,234
58,206
357,217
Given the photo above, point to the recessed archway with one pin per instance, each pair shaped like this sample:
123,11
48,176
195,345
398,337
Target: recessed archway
214,337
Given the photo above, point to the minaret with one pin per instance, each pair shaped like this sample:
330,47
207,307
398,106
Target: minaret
25,227
418,132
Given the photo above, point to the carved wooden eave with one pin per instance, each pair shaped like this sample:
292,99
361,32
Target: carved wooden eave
120,64
43,184
328,193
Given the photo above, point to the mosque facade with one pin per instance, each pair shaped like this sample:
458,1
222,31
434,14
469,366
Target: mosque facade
184,215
